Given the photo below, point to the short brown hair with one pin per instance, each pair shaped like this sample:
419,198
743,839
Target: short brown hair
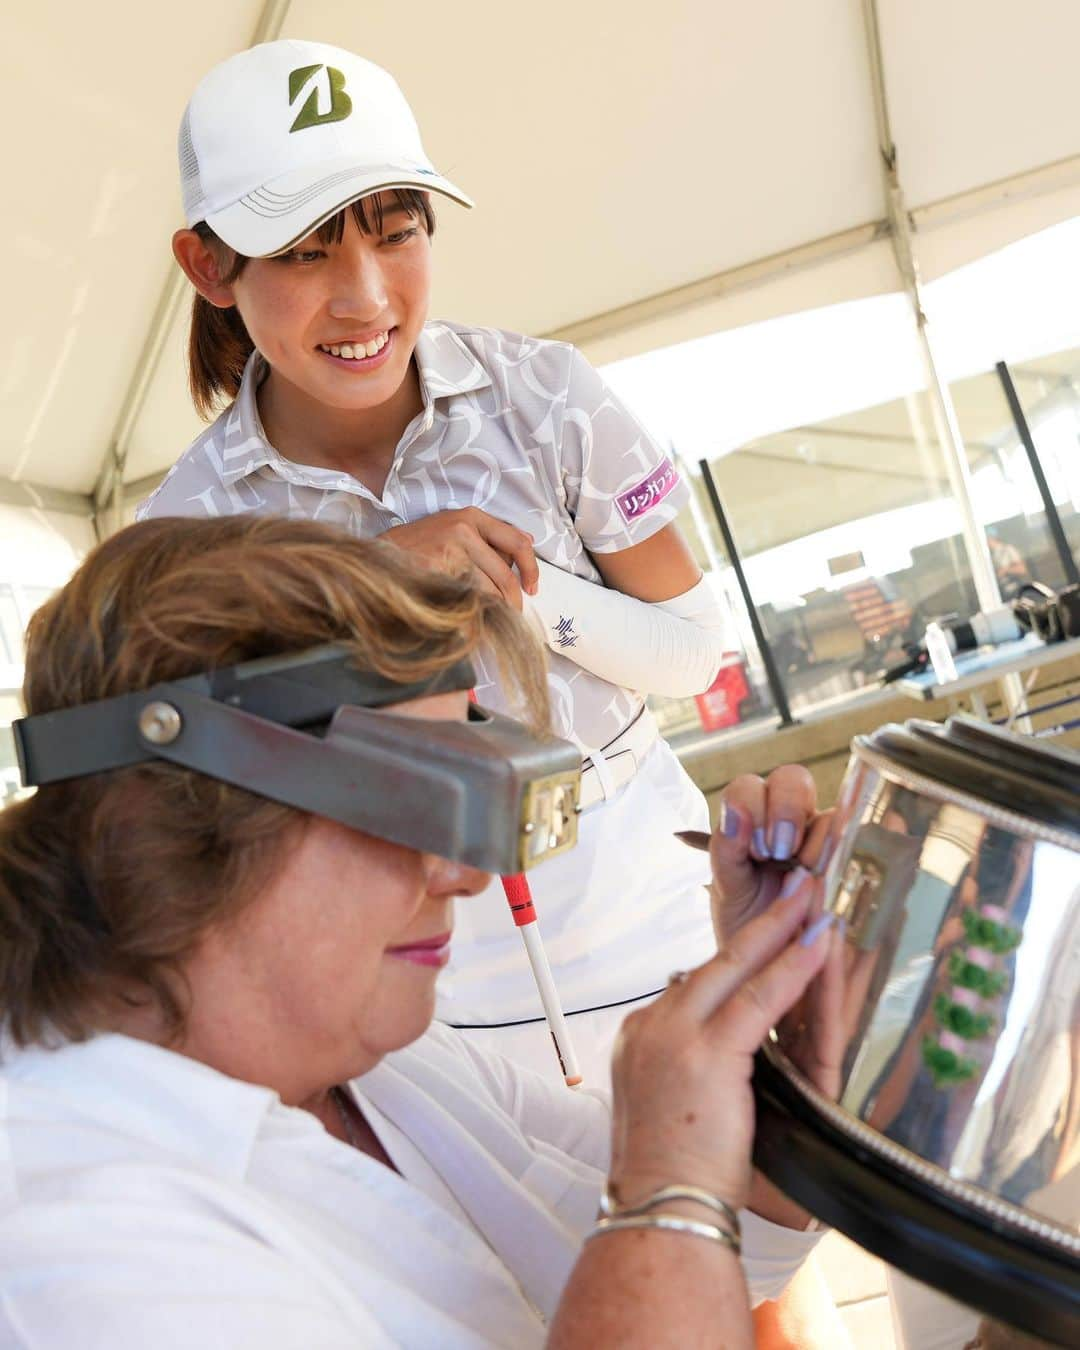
108,882
218,341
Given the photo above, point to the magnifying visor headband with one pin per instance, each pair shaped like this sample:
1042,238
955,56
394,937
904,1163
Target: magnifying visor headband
304,730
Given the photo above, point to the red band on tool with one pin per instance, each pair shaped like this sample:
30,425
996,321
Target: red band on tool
519,898
518,895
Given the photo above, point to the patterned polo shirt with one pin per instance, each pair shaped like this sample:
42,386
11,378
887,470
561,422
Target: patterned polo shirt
523,428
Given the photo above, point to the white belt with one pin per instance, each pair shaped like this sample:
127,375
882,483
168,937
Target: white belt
605,771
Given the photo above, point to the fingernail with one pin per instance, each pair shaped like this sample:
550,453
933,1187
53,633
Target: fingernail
793,881
758,840
783,840
730,821
816,929
841,928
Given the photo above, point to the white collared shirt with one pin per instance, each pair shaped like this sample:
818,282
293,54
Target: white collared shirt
523,428
147,1200
526,430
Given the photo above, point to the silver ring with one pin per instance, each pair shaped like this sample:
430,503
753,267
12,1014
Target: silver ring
678,977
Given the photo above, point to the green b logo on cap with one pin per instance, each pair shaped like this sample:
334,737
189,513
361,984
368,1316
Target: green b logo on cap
309,115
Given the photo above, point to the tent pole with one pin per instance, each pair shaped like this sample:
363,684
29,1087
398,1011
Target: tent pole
941,404
108,495
942,407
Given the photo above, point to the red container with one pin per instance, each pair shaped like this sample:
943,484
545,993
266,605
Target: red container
719,706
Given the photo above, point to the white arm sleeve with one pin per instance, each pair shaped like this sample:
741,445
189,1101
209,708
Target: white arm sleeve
673,647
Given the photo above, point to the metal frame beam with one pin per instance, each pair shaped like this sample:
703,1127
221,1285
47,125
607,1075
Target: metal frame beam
139,488
867,470
854,434
108,495
613,322
941,404
1045,179
107,490
17,492
1058,176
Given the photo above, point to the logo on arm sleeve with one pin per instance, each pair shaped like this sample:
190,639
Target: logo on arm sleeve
652,490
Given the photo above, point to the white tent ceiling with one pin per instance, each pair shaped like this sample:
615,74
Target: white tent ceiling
644,174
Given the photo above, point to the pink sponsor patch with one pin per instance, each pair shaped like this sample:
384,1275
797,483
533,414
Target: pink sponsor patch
653,488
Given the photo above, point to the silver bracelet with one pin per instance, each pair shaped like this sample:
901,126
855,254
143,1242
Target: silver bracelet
610,1207
668,1223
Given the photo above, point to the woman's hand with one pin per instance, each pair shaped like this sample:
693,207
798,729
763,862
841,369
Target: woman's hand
469,542
765,824
684,1115
683,1106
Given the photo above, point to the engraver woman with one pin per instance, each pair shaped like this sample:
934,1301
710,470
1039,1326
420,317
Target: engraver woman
472,448
226,1120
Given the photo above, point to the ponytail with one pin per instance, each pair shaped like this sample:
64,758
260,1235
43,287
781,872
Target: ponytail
218,350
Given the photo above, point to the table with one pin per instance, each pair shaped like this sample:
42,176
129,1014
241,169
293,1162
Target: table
985,664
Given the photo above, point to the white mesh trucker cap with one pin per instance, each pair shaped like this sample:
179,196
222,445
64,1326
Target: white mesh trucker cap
280,137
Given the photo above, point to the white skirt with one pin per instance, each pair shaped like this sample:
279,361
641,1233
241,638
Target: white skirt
618,913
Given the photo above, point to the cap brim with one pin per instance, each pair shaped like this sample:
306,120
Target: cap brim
287,209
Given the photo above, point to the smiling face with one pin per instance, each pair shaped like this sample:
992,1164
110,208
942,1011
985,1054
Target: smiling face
334,964
338,322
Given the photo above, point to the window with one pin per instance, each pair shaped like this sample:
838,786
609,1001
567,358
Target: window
851,543
1007,498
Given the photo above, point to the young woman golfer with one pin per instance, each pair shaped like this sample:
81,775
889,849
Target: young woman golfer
307,194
